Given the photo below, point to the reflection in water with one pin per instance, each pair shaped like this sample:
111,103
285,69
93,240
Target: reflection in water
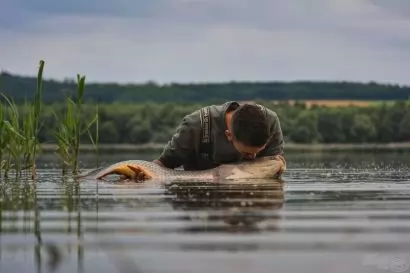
59,211
57,225
237,201
20,214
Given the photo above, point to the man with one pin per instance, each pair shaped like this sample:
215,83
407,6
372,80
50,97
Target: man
224,133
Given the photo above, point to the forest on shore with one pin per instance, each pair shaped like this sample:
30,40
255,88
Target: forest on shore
149,113
21,88
142,123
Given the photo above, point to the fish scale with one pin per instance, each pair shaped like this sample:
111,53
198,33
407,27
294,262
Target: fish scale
160,173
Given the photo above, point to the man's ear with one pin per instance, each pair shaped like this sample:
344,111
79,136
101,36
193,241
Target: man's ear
228,134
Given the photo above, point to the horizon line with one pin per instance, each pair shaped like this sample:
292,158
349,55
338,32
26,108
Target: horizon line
193,82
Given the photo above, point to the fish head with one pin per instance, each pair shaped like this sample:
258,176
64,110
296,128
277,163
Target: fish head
270,167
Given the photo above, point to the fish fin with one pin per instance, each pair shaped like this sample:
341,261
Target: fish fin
223,171
101,177
89,173
140,174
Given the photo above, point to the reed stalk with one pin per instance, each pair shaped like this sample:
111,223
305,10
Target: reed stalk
15,146
95,142
3,138
35,113
71,128
29,140
31,125
78,123
19,135
5,156
63,135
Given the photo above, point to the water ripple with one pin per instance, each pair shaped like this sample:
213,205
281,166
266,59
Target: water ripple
319,220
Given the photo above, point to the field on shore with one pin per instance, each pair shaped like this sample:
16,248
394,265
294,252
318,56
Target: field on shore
335,103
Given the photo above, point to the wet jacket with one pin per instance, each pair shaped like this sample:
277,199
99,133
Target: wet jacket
189,146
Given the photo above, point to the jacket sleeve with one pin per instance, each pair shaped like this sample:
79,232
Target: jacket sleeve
182,143
276,142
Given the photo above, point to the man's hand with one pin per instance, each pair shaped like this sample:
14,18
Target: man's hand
280,157
283,168
158,162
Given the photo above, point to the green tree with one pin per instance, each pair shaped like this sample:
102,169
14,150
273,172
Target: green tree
305,128
139,130
404,128
108,133
330,125
362,129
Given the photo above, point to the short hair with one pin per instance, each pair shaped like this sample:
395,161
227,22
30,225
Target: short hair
250,125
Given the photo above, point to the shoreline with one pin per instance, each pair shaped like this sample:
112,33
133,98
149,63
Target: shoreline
289,147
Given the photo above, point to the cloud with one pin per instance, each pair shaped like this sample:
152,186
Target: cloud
395,7
209,40
133,8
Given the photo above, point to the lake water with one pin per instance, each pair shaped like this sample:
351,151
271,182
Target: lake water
336,212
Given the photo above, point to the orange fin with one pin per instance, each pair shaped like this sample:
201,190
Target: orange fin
140,174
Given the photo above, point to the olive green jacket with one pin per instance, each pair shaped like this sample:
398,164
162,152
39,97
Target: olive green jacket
183,149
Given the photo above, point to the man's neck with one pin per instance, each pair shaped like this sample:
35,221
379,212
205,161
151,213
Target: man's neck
228,119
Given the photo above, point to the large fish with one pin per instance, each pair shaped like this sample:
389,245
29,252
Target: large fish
140,170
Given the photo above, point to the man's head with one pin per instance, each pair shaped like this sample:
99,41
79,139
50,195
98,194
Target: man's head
248,129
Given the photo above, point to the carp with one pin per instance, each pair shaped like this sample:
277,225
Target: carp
269,167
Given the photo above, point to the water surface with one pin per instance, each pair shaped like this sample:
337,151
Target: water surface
335,212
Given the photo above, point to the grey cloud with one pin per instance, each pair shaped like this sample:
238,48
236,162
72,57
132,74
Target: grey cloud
396,7
13,17
201,40
268,14
215,55
272,15
104,7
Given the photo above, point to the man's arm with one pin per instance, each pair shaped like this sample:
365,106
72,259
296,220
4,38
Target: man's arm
276,143
181,144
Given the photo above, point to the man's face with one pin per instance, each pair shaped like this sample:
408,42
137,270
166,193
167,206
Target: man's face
248,152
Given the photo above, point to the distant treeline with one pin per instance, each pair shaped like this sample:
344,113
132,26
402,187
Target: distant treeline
21,88
152,122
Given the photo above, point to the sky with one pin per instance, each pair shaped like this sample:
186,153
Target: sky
133,41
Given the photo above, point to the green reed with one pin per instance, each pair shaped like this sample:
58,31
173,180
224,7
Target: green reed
3,137
35,113
95,142
19,139
19,142
15,144
71,127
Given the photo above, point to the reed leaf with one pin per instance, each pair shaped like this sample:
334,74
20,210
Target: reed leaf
35,120
3,137
78,133
28,133
19,135
64,135
15,146
95,142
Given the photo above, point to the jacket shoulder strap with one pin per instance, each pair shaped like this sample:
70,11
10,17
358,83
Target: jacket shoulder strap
206,127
